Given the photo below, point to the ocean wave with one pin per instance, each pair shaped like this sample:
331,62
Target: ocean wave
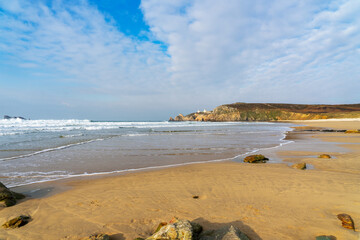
18,126
50,149
35,177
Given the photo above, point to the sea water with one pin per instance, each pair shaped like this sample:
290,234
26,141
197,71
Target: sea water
43,150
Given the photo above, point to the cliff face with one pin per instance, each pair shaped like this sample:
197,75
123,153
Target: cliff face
272,112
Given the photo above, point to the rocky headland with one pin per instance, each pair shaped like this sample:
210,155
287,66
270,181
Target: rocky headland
272,112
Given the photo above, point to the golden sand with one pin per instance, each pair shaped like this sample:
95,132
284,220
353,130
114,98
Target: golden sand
266,201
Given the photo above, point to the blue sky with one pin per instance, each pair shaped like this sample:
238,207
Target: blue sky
151,59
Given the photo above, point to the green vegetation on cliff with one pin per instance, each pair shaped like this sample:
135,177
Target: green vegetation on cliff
272,112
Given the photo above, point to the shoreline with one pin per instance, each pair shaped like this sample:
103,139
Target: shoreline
53,183
250,196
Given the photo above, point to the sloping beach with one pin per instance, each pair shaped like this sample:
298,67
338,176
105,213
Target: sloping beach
265,201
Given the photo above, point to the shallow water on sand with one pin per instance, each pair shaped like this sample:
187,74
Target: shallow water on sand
42,150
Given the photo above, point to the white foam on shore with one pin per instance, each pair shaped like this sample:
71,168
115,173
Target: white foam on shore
18,126
51,149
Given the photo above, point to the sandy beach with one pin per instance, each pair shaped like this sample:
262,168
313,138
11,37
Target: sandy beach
265,201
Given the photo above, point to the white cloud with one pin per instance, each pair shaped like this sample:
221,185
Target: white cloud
294,51
78,41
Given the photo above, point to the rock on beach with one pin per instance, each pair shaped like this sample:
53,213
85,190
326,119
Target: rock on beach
259,158
346,221
16,222
7,197
301,166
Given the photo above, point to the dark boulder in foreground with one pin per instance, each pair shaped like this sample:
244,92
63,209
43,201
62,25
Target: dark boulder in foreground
8,198
16,222
346,221
185,230
175,229
226,233
259,158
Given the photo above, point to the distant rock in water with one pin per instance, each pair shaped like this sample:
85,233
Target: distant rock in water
272,112
8,117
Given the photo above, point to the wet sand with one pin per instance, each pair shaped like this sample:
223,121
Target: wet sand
266,201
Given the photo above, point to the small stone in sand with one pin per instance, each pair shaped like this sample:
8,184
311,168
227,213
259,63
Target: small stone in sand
301,166
195,197
256,158
17,222
346,221
324,156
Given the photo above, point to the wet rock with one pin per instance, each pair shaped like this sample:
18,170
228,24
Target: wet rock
256,158
171,119
226,233
324,156
301,166
176,229
7,198
18,196
97,236
346,221
16,222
